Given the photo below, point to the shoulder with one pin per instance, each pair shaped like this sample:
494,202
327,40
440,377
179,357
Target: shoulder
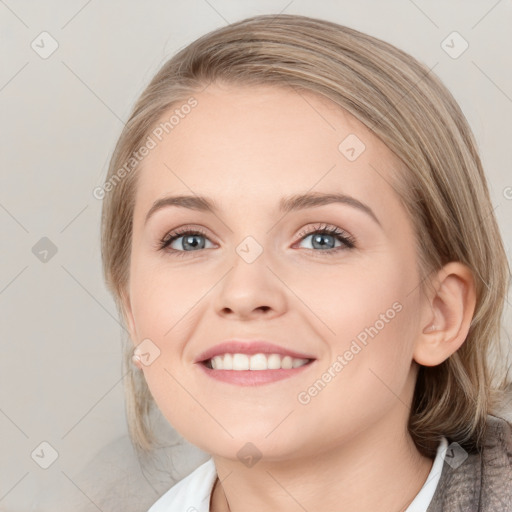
497,460
192,494
478,481
499,438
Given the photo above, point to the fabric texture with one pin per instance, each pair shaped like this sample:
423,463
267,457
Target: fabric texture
483,481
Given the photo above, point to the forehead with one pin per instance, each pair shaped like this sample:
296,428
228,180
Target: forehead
260,143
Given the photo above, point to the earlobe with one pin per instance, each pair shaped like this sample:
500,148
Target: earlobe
128,317
448,315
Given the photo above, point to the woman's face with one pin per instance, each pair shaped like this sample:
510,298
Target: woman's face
264,268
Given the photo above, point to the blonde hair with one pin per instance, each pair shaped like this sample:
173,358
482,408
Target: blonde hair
442,185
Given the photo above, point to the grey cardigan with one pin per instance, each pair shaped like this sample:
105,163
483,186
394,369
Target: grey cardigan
483,481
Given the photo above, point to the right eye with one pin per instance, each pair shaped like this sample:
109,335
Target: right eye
191,240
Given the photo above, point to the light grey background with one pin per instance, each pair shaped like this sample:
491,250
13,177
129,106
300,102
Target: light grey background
61,380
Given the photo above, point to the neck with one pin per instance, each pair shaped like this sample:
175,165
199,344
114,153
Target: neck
378,469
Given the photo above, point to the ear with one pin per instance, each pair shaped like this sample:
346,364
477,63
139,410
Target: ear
447,315
128,317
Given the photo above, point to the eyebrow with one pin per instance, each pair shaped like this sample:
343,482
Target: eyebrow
287,204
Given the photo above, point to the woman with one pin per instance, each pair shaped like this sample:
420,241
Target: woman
298,234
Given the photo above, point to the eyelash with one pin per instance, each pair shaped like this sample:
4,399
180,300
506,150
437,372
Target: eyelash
348,240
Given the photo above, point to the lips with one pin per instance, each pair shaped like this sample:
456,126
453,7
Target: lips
249,348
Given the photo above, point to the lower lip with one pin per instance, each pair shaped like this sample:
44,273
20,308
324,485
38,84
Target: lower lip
253,377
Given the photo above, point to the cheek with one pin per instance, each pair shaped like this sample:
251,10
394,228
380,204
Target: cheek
370,317
163,298
348,298
165,306
368,373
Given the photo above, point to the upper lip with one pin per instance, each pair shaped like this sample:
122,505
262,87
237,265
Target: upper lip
249,347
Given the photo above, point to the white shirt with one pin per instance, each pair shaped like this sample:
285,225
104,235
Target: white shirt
192,494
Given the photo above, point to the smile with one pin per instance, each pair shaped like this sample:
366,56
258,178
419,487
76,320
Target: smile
252,362
258,362
253,370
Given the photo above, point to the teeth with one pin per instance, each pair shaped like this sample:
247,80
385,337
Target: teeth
228,362
274,362
287,363
240,362
255,362
258,362
297,362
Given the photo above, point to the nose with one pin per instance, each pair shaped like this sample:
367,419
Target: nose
250,291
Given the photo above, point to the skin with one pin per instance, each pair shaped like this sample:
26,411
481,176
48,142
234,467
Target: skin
246,147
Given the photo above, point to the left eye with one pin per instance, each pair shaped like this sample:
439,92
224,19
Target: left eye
323,241
325,237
